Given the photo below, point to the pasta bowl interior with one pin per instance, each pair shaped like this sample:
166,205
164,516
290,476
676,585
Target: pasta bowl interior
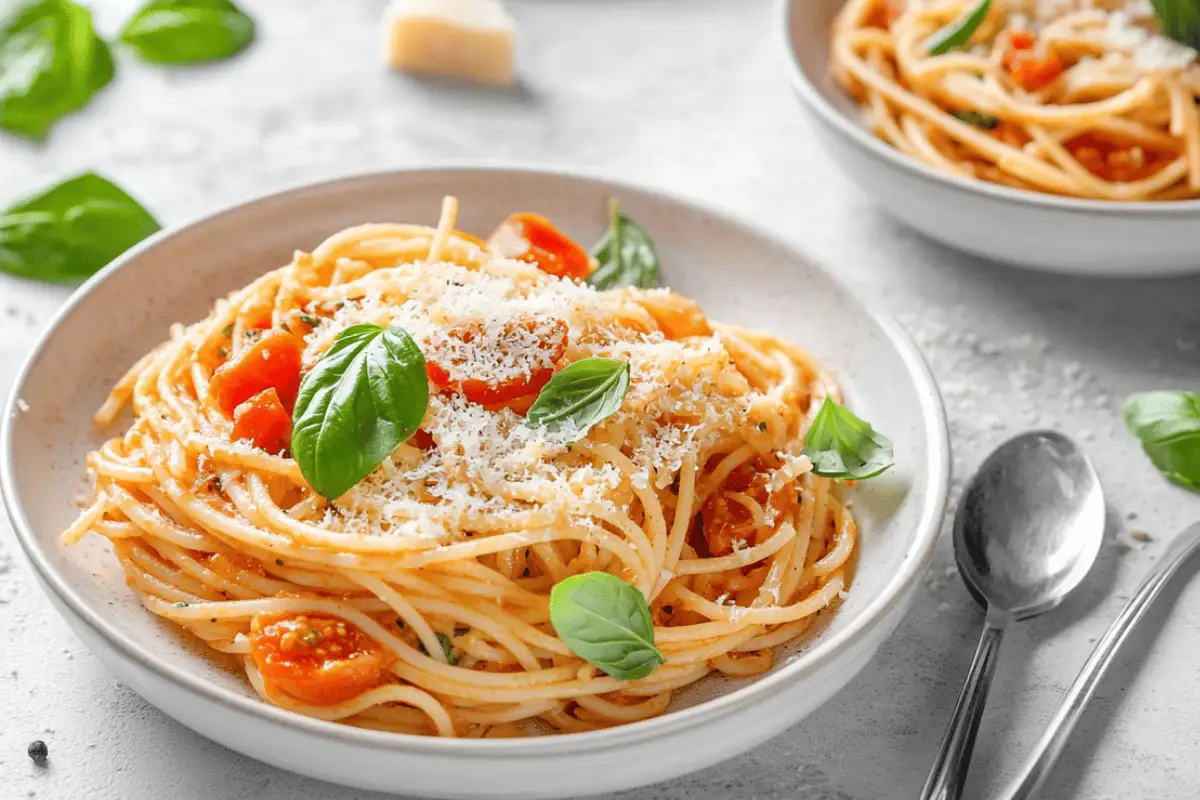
236,551
1086,162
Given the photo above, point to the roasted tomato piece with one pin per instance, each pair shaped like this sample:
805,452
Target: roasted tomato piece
272,362
264,421
543,341
533,238
315,658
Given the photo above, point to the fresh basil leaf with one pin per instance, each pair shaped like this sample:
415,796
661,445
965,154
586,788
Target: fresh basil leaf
1168,423
51,63
366,395
71,231
579,396
840,445
606,622
985,121
1179,20
958,32
188,31
626,256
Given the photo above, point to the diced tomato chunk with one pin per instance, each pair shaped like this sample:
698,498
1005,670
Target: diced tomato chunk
487,391
883,14
533,238
1027,69
273,361
1116,161
318,659
724,521
264,421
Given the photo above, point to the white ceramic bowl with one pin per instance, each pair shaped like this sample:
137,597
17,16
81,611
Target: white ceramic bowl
736,272
1030,229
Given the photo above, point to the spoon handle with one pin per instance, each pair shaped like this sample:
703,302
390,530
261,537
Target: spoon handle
949,771
1048,748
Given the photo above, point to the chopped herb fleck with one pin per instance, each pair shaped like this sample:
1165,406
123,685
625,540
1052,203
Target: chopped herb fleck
227,331
669,609
461,631
311,322
985,121
762,426
223,352
279,562
311,637
525,572
181,604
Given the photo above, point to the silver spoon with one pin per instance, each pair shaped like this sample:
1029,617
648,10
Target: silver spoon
1027,532
1046,752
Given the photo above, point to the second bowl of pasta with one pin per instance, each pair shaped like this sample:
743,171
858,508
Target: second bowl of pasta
1055,135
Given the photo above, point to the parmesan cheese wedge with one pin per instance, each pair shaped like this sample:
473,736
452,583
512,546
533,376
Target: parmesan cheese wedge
468,39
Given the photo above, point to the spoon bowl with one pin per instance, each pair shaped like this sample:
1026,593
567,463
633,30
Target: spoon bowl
1031,524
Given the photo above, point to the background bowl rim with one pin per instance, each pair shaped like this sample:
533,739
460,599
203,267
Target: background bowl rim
914,562
814,99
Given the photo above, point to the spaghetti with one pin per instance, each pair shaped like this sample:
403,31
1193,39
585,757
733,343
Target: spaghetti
1082,98
417,602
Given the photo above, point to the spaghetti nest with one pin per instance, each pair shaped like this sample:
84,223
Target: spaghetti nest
1082,98
418,601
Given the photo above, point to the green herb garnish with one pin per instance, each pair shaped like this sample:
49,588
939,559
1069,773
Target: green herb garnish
606,622
625,254
71,231
1179,20
840,445
311,637
188,31
365,396
579,396
1168,424
957,33
447,648
51,63
985,121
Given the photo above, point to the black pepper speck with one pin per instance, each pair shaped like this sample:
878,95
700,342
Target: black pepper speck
39,752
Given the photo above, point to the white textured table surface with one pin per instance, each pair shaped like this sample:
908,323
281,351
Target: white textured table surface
691,96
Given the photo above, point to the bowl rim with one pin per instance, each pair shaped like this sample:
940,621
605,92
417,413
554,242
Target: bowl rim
911,569
806,87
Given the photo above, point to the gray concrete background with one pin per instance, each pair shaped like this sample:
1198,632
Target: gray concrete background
689,95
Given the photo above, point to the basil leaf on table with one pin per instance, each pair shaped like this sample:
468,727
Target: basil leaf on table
188,31
51,63
840,445
626,256
579,396
366,395
71,231
1179,20
606,622
958,32
1168,423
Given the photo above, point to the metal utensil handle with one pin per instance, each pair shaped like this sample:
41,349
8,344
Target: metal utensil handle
949,771
1046,752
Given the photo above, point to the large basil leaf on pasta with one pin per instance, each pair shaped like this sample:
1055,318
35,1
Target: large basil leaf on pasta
72,230
578,397
840,445
1179,20
606,622
1168,424
366,395
51,63
625,256
188,31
